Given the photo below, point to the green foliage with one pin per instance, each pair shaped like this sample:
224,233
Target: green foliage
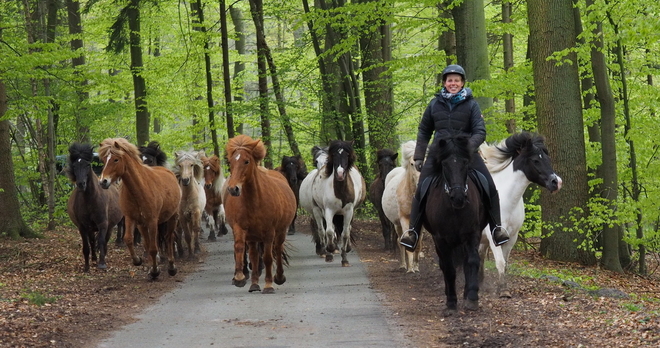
37,298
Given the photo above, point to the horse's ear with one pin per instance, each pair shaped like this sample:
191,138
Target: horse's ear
396,154
177,154
116,145
258,150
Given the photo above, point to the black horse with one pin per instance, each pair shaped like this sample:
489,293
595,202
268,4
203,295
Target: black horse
93,210
455,216
293,169
386,161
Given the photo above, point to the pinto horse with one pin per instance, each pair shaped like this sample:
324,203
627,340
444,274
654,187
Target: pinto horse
293,169
455,216
260,207
386,161
338,189
93,210
514,163
149,199
189,169
214,181
400,187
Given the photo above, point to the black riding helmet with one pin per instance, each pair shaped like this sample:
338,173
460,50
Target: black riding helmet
453,69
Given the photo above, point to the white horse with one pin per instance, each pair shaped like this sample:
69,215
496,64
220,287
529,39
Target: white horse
320,156
190,173
337,190
514,163
400,187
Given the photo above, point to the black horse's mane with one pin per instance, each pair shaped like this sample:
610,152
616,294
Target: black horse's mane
383,153
153,150
78,151
333,151
448,145
515,142
301,171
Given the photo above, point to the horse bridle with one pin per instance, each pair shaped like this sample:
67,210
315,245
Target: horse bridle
448,189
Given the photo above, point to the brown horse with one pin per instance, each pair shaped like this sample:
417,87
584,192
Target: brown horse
90,208
386,161
214,181
260,207
149,199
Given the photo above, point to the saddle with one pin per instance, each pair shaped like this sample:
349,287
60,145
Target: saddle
479,180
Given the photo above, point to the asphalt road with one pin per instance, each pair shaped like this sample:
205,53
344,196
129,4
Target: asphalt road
320,305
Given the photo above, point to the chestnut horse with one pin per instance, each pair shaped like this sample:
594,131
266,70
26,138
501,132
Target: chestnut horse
259,208
149,199
188,169
386,161
214,181
90,208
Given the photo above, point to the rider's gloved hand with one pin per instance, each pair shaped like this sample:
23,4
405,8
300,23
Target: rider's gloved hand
419,164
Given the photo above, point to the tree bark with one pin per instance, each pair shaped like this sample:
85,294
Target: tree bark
139,84
75,29
507,50
560,120
226,75
201,26
239,66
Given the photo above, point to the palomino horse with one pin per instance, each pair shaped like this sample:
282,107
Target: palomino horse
90,208
455,216
320,156
188,169
386,161
514,163
337,191
293,169
400,187
149,199
214,180
260,207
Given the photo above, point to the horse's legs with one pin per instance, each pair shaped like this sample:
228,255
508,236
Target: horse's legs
239,279
471,270
196,229
346,237
212,226
187,228
150,234
319,231
170,236
102,242
220,221
85,248
401,248
268,263
278,254
449,273
129,227
120,233
386,228
329,235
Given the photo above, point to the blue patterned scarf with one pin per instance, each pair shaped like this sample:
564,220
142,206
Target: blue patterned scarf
454,98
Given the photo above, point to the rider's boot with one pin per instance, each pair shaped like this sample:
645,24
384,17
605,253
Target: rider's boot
499,233
410,237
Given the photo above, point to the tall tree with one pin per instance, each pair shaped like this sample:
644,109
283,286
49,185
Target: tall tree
226,74
559,115
12,224
507,52
239,65
78,61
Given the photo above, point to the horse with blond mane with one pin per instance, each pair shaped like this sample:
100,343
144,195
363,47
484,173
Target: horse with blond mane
149,199
259,208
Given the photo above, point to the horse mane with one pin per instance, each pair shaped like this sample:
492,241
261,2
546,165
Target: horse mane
499,156
78,151
153,149
301,171
382,153
333,148
443,147
118,147
407,151
198,171
242,141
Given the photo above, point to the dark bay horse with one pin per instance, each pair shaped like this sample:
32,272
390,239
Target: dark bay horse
386,161
149,199
214,180
293,169
93,210
455,216
260,207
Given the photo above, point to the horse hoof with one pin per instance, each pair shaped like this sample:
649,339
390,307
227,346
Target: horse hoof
329,258
212,239
101,266
471,305
137,261
291,233
255,287
154,275
239,283
280,281
505,294
268,291
345,264
172,272
449,312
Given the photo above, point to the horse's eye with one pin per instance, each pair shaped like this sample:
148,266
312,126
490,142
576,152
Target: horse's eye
247,162
116,160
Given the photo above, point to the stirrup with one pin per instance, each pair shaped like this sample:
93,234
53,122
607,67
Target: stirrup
409,239
502,235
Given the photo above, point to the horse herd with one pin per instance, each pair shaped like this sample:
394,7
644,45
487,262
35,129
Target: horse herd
144,198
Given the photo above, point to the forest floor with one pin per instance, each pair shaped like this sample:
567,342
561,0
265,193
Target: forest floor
46,300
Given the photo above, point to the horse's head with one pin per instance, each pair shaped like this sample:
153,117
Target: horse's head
532,158
386,161
452,156
244,155
115,153
293,169
152,155
212,170
188,167
320,155
341,158
79,168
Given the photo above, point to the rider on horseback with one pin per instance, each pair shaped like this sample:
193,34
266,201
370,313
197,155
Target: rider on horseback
453,109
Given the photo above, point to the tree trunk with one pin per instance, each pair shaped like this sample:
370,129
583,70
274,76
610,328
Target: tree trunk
226,75
239,66
256,9
201,26
12,224
75,29
472,44
560,120
610,258
446,39
507,50
139,85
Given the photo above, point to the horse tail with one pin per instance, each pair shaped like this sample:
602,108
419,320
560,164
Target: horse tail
285,252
